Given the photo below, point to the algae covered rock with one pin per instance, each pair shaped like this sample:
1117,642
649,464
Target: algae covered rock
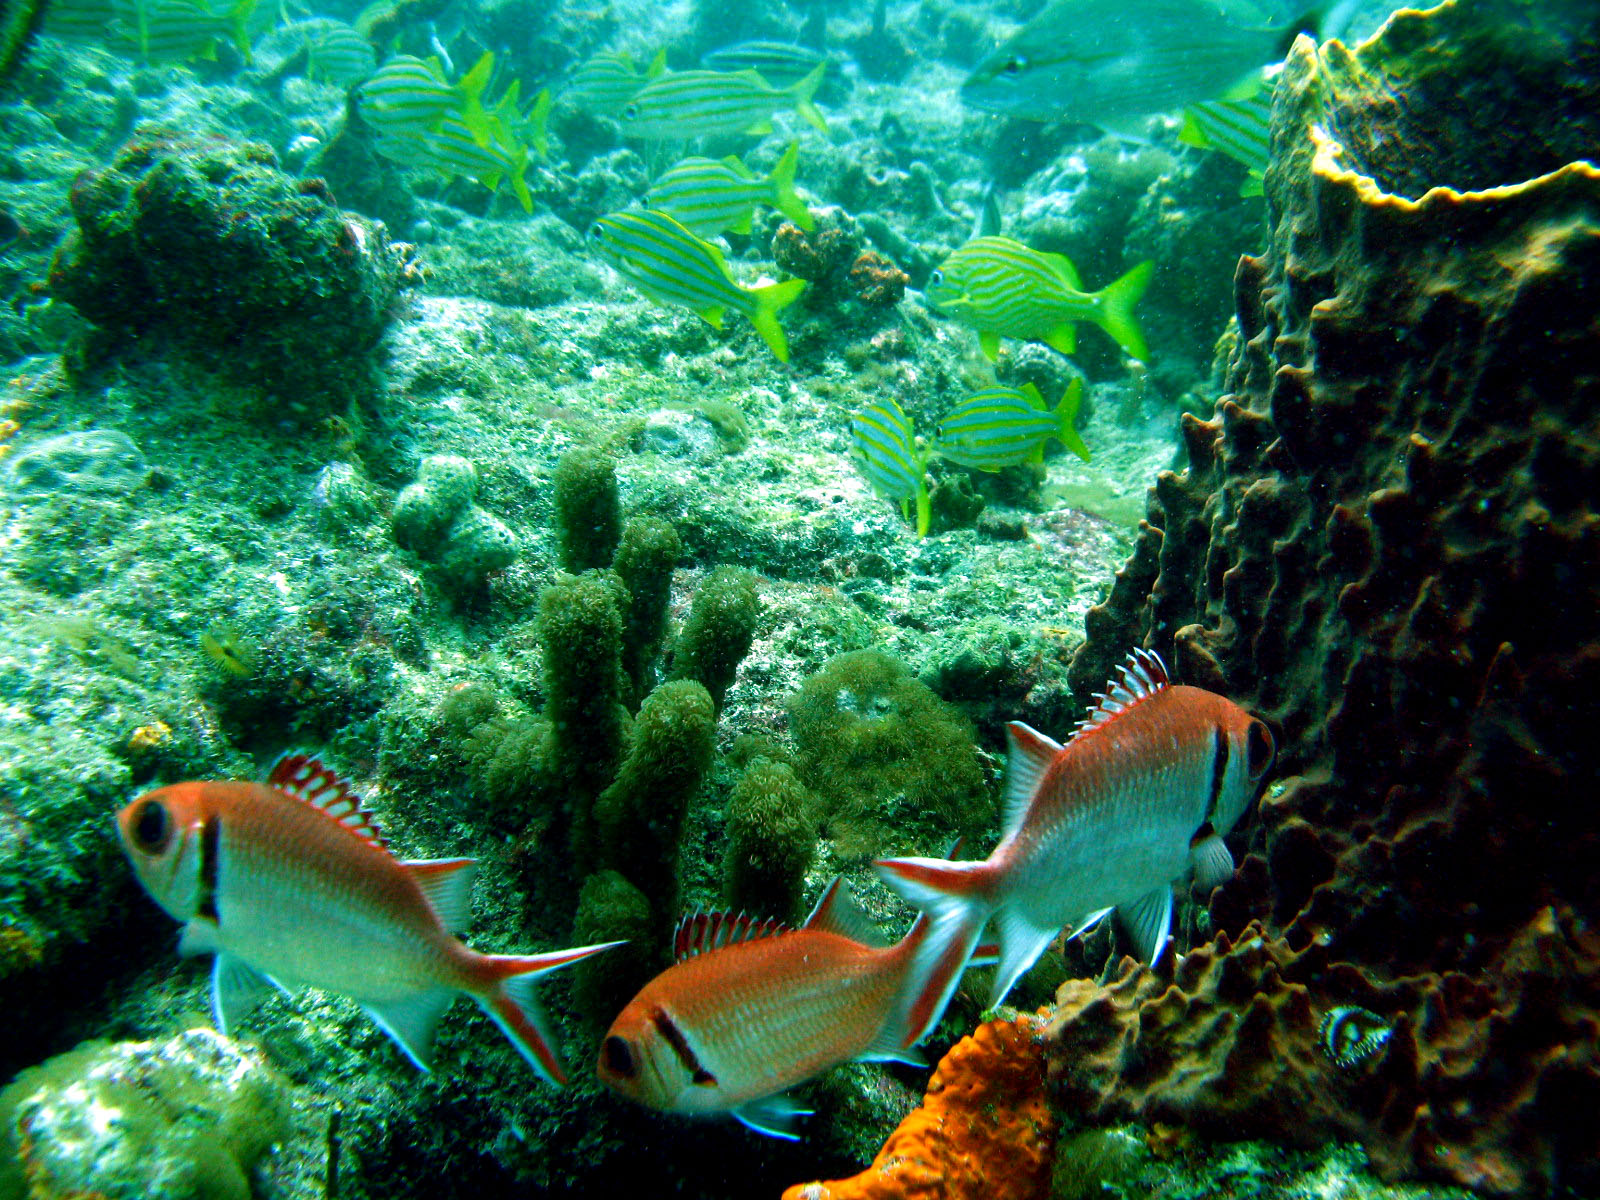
896,767
435,517
254,274
187,1119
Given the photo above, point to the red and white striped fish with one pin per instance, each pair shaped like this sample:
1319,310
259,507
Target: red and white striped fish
287,883
1138,798
753,1007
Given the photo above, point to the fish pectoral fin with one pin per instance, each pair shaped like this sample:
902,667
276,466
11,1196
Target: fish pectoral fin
1148,921
411,1021
236,989
711,316
775,1116
1211,861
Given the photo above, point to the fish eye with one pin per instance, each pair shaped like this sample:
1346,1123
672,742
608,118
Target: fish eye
1259,750
1013,65
597,232
936,278
630,113
153,826
617,1057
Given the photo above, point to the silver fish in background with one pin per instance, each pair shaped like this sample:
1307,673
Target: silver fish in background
1112,63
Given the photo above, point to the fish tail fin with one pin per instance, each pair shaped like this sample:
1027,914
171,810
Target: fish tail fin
769,301
940,947
957,899
804,91
783,193
239,25
539,123
519,185
1066,414
508,998
1115,310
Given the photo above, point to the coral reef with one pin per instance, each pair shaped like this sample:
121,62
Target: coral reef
189,1118
984,1132
1384,545
258,276
893,764
94,461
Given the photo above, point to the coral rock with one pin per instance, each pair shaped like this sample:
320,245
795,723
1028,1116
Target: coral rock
984,1131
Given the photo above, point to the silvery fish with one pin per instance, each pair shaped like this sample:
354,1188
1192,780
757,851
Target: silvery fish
1112,63
751,1008
1003,426
691,104
1139,797
287,883
1002,288
711,197
885,448
670,265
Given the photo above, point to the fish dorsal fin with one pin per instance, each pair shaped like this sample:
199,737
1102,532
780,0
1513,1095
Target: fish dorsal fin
1064,268
1139,678
304,777
1029,756
838,912
701,933
447,883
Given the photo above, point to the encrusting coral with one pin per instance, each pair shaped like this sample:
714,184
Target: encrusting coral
984,1131
1384,544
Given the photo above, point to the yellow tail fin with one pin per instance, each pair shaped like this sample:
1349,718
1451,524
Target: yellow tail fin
769,301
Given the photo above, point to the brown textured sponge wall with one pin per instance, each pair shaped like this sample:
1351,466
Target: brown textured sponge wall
1386,544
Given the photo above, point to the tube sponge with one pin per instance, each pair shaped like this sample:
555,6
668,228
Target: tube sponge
645,557
772,841
640,816
611,909
718,633
588,514
580,622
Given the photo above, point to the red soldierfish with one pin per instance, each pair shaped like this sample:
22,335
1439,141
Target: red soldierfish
1139,796
288,883
753,1007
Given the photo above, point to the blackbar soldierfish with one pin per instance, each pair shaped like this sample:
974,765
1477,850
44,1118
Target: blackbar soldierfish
753,1007
287,882
1140,795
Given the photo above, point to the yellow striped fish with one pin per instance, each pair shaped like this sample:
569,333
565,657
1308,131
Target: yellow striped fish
690,104
709,197
666,262
885,448
337,52
781,63
1003,426
604,84
453,149
1238,128
407,94
1002,288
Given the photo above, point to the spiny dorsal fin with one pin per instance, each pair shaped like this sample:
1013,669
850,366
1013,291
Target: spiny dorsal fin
1139,678
837,912
701,933
304,777
447,883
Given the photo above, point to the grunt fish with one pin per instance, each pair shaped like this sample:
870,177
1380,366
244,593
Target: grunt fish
1241,129
690,104
1139,797
605,83
336,52
885,448
1003,426
670,265
1002,288
751,1008
1112,63
781,63
287,883
709,197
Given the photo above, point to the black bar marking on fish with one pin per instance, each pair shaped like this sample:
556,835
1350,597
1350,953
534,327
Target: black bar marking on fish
210,843
1219,770
680,1046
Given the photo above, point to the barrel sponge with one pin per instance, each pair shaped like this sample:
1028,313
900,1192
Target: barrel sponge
896,766
645,557
610,909
718,633
580,621
192,1117
426,509
640,816
772,841
588,513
